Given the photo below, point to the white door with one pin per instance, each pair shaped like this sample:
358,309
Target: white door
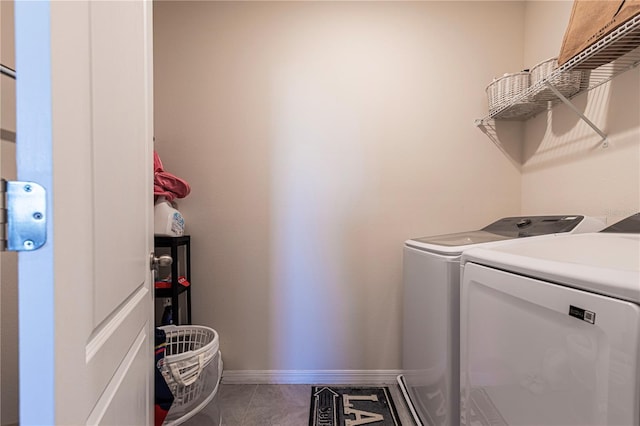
84,111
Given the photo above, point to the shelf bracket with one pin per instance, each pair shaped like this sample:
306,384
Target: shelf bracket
567,102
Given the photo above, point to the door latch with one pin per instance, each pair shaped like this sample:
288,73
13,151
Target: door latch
24,217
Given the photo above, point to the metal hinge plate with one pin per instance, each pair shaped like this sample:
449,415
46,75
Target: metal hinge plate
24,214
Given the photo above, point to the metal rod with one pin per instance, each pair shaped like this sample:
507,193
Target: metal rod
574,109
9,72
7,135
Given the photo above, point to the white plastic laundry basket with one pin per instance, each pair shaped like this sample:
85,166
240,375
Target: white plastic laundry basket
190,349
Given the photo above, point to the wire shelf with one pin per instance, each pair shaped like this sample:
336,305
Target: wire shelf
617,52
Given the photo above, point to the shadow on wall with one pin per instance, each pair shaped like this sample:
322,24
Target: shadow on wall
557,133
508,137
559,136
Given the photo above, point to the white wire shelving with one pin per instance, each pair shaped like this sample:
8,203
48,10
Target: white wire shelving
617,52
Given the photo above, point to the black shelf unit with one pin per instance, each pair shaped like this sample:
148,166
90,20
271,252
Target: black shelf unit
174,243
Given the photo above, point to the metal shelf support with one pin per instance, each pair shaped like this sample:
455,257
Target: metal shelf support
9,72
613,54
567,102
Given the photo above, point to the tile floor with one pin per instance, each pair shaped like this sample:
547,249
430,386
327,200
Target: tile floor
270,405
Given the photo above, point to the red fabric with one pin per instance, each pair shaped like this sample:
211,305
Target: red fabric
167,185
159,415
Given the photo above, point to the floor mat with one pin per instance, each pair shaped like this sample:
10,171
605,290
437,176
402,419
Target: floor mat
350,406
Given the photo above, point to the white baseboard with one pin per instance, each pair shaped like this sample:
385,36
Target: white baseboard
319,377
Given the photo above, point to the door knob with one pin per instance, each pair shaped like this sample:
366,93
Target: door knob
157,262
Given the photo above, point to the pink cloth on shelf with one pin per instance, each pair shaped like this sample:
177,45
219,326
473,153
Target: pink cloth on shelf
167,185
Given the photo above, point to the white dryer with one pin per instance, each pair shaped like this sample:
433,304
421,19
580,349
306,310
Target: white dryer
550,330
431,310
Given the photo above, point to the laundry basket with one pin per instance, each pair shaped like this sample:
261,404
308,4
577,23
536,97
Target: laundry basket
566,82
190,349
503,92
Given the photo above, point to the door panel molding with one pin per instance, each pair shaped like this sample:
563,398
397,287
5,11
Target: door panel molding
116,383
113,323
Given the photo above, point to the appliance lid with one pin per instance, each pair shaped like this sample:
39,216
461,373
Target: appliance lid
523,226
503,229
630,225
462,238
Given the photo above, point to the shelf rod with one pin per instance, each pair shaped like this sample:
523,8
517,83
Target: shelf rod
9,72
567,102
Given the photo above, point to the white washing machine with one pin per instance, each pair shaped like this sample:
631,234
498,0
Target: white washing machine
431,334
551,330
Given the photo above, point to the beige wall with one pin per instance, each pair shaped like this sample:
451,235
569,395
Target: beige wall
8,261
317,137
565,168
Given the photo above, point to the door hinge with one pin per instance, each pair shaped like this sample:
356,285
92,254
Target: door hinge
23,218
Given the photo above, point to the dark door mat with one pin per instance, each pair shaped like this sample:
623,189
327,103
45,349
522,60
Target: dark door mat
352,406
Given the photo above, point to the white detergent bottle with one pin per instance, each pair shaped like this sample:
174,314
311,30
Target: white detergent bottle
167,220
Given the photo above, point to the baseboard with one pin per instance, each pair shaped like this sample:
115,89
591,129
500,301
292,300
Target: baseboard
335,377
